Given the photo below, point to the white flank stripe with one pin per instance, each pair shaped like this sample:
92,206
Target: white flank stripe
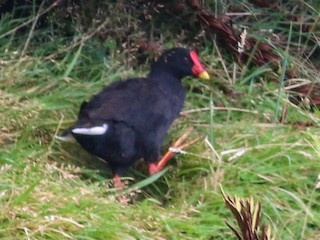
97,130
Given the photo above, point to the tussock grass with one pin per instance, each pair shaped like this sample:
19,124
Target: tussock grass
52,190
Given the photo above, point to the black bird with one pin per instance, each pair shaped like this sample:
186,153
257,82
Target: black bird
128,120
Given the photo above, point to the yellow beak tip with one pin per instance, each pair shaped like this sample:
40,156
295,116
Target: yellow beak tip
204,75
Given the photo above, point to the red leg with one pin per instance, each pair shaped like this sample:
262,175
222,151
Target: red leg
164,160
153,168
117,183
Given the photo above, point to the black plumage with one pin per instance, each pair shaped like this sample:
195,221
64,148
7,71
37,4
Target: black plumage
128,120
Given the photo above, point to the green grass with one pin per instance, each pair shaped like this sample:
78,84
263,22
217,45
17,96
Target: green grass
54,190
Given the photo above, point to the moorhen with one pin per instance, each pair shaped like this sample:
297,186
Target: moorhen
128,119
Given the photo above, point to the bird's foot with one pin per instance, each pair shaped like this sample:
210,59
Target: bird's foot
153,168
117,183
175,148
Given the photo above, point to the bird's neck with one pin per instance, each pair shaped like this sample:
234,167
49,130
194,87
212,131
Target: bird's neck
165,79
157,74
167,83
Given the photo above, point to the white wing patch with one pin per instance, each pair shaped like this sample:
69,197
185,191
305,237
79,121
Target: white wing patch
97,130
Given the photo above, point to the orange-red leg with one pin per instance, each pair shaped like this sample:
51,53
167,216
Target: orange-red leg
164,160
153,168
117,183
156,167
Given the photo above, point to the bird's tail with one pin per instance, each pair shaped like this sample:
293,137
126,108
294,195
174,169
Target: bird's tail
92,130
66,136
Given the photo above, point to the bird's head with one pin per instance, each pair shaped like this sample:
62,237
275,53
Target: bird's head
179,62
